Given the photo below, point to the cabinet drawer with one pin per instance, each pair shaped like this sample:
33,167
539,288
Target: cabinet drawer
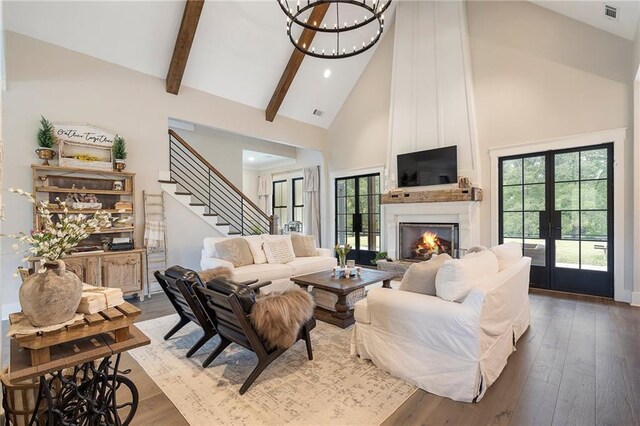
122,271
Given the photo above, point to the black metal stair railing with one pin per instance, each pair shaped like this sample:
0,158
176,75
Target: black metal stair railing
208,187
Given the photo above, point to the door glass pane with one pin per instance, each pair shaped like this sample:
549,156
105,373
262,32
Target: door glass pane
512,225
351,187
342,222
364,185
534,198
594,225
365,202
350,205
570,225
593,195
512,172
536,250
341,205
532,225
364,242
534,170
593,164
567,196
512,198
594,255
567,254
341,189
566,166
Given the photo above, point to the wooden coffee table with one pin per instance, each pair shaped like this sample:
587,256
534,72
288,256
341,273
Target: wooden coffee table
341,287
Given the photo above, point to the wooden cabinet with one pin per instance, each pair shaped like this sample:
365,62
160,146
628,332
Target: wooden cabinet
122,270
117,269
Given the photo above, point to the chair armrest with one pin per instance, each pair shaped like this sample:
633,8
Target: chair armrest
324,252
255,285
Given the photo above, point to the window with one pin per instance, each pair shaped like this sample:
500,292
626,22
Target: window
280,201
298,203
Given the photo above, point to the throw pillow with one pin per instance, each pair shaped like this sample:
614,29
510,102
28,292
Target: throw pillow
236,251
303,245
255,245
421,277
279,251
457,277
507,254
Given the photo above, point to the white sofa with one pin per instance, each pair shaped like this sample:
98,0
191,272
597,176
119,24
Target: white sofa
456,350
278,274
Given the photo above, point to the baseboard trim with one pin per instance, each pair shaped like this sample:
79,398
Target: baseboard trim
10,308
635,298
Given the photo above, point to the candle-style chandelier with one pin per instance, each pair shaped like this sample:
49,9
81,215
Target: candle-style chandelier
344,22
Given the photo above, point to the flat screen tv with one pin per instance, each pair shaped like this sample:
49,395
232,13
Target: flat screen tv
431,167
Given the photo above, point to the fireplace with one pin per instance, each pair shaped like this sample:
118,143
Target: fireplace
420,241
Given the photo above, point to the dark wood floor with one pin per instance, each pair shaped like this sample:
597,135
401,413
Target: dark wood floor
579,363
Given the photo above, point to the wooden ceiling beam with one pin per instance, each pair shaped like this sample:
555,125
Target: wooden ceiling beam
290,71
186,34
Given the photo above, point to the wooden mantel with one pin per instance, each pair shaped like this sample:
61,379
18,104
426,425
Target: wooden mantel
431,196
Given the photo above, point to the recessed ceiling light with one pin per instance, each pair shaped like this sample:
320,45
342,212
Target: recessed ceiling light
327,73
251,158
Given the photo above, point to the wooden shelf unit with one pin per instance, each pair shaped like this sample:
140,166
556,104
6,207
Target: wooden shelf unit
122,269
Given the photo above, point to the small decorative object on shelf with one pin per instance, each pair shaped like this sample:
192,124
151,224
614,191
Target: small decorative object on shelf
464,183
46,141
52,295
119,149
346,272
341,251
118,185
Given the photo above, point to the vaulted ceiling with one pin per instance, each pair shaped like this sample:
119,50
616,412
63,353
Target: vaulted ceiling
240,49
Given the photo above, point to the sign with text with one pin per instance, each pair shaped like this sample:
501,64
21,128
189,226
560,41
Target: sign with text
84,134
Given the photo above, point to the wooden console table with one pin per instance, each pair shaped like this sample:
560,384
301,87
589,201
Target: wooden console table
78,385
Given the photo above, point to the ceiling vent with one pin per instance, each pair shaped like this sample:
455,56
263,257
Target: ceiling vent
611,12
318,112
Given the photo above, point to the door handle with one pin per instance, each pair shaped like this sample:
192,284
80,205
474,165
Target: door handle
357,222
544,225
556,224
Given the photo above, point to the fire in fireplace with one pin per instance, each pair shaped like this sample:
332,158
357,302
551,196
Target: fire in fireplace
420,241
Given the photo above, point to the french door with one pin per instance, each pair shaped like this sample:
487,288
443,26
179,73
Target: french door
559,206
358,216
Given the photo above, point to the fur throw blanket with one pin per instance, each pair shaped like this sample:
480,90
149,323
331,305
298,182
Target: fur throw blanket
278,317
218,271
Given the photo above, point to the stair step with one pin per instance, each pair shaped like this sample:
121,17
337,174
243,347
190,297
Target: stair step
167,181
233,232
223,224
197,204
182,193
210,214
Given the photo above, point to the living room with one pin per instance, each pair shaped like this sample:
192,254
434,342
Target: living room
241,131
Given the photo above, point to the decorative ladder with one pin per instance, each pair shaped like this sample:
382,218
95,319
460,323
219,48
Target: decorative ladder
195,183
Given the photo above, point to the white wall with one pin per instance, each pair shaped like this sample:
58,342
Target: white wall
64,85
250,184
359,135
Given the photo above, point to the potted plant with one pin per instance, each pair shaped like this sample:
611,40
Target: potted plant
342,251
52,295
381,255
46,141
119,150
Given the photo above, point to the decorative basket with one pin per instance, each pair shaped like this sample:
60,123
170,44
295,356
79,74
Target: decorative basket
19,400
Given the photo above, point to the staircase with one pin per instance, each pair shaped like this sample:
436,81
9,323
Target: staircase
201,188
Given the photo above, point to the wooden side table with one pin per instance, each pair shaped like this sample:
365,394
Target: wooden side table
80,382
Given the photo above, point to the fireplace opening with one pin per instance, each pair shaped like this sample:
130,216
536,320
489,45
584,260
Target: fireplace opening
420,241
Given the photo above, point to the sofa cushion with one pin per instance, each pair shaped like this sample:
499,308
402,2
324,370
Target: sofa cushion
236,251
279,251
303,245
421,277
255,245
209,246
457,277
263,272
309,265
507,254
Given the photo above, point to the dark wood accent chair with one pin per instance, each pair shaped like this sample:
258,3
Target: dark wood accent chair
229,304
177,283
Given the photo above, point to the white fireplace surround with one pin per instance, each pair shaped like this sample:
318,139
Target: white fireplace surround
465,213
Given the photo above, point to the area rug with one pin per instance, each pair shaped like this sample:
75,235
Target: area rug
334,388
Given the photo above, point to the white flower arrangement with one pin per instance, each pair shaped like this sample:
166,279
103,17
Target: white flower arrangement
56,238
